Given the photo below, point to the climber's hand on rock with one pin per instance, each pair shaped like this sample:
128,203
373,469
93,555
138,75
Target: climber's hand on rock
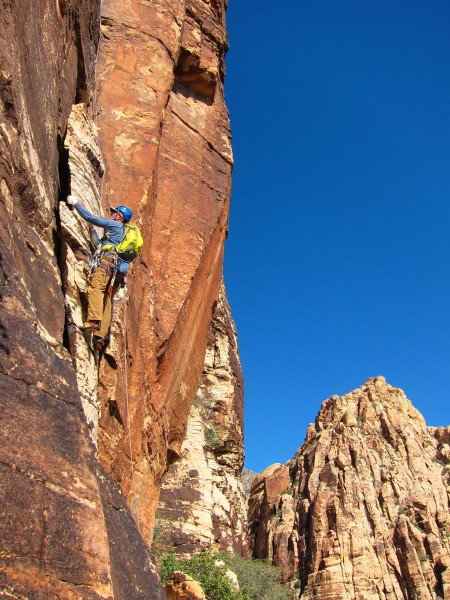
72,200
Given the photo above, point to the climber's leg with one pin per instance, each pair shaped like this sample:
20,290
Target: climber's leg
96,294
107,310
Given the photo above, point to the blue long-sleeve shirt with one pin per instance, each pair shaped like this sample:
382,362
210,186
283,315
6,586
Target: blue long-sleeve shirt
114,230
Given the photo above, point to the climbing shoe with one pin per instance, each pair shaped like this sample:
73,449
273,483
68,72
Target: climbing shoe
98,343
90,326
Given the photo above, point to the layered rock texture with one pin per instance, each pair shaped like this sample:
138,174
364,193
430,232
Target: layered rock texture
202,501
130,114
362,511
165,136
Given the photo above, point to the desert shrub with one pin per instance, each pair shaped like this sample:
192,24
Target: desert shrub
169,564
161,538
258,579
202,568
214,435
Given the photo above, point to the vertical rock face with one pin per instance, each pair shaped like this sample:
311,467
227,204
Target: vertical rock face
163,121
85,170
53,532
365,510
247,478
158,140
202,502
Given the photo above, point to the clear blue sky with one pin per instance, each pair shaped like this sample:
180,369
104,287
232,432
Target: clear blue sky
337,262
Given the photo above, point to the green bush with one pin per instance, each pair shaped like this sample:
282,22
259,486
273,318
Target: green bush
214,435
201,567
169,564
258,580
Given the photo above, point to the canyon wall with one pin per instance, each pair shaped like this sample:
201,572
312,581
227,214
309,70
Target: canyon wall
164,132
53,526
128,107
124,107
202,503
362,510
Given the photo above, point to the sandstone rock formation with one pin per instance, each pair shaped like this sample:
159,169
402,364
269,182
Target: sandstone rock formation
364,512
202,502
53,527
144,124
182,587
85,170
165,137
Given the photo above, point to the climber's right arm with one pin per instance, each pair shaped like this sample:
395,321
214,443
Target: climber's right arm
87,216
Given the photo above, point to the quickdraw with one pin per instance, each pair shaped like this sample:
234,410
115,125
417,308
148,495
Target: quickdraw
94,262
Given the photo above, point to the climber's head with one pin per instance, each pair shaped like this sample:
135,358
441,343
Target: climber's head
121,213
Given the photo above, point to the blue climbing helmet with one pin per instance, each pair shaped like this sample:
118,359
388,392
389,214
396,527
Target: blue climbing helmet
125,212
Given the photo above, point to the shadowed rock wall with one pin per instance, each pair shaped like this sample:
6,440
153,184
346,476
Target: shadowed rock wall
362,510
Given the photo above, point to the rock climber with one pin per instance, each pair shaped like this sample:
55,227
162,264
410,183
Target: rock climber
109,270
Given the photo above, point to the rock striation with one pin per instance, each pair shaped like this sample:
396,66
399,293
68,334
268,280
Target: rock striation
54,537
121,107
165,138
202,502
362,510
85,170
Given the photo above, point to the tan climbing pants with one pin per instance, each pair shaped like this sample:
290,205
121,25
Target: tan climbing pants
100,301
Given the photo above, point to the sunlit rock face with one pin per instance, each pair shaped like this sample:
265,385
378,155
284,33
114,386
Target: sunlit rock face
202,502
247,478
364,509
85,174
164,133
183,587
145,125
53,528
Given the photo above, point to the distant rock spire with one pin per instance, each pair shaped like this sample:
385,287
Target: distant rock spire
364,513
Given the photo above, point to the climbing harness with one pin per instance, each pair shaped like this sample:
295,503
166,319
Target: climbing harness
107,260
111,264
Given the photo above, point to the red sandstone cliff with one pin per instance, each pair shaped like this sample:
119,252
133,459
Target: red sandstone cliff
145,125
362,510
164,132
